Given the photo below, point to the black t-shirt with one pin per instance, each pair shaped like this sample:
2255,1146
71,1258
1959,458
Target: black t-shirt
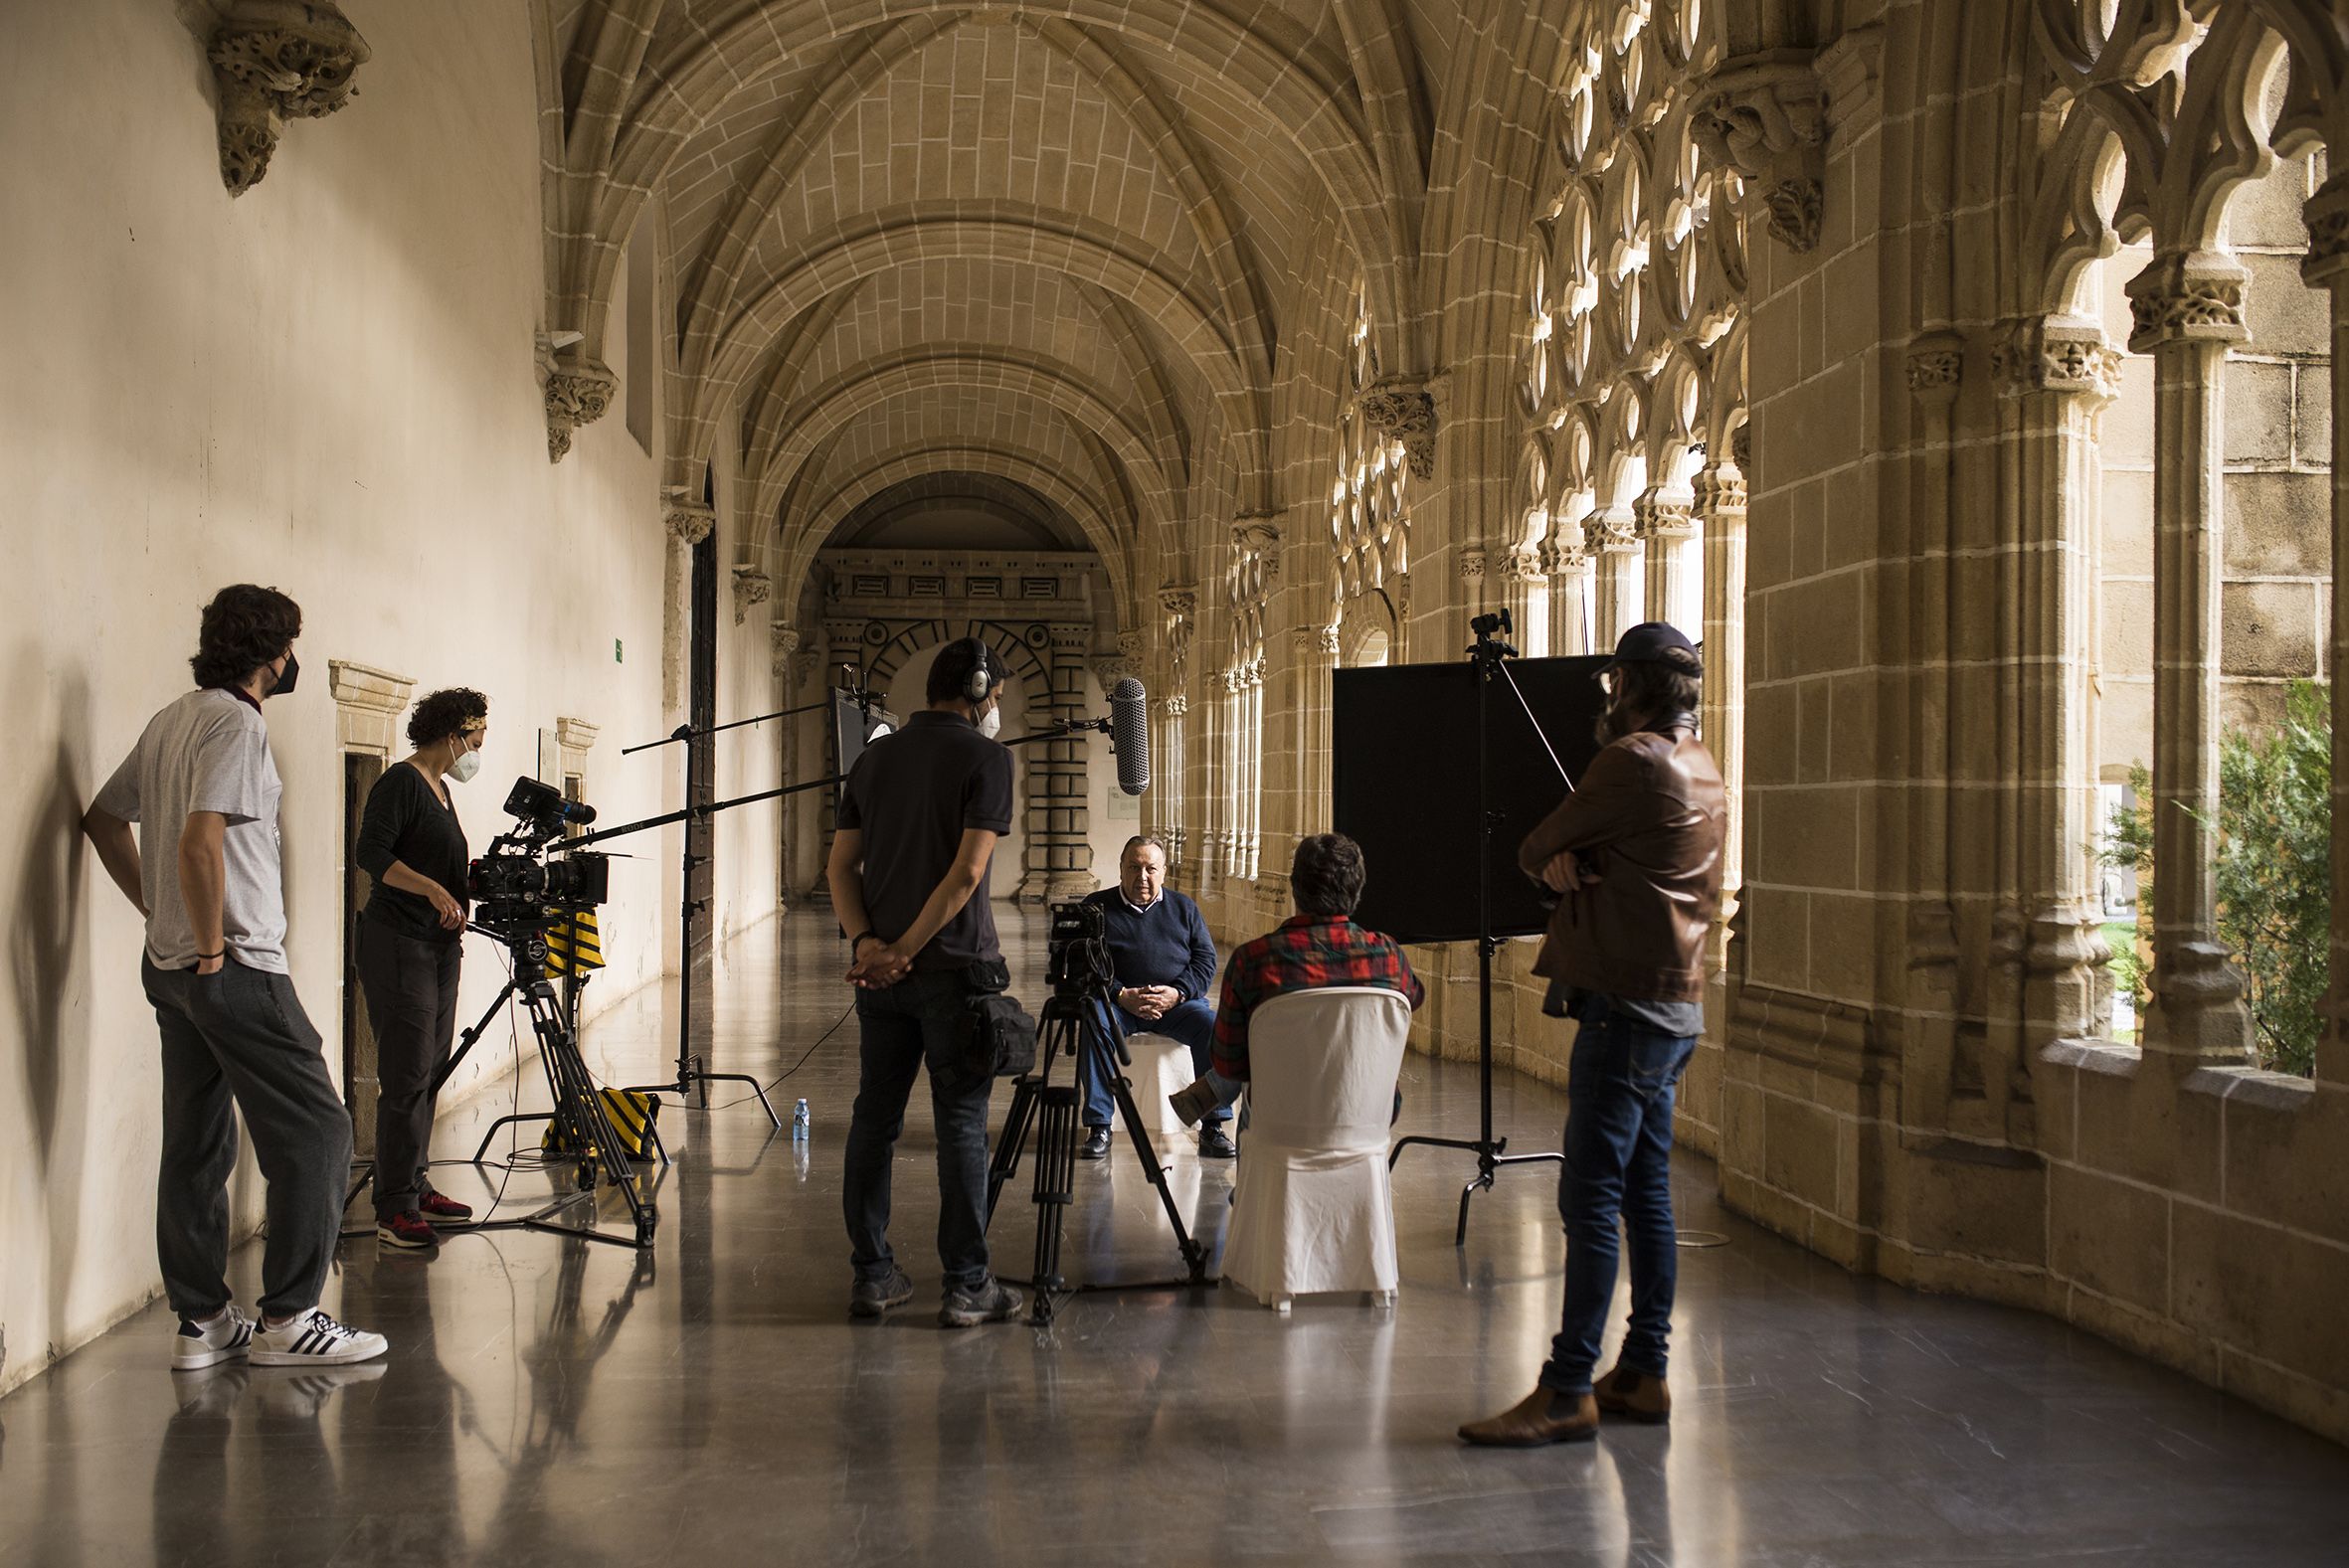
406,822
911,794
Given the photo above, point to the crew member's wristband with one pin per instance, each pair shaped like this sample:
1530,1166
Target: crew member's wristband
855,940
207,958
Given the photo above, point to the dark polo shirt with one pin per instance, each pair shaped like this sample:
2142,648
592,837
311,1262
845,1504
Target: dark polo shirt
911,794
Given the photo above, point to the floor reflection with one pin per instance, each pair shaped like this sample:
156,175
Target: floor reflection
552,1400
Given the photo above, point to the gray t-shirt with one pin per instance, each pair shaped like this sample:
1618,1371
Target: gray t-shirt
206,752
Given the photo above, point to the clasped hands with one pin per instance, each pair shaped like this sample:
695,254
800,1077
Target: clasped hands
1562,873
878,964
1149,1001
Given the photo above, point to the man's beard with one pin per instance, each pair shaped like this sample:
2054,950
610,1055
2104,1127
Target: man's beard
1615,721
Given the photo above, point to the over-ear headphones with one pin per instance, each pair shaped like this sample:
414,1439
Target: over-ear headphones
981,678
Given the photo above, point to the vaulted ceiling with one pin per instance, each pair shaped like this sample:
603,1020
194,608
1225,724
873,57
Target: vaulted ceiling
1059,252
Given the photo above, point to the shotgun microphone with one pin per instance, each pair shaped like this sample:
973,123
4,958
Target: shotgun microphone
1128,733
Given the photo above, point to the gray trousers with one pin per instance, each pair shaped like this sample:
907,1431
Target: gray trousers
241,1035
411,990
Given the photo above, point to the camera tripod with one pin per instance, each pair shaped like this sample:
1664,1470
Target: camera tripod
1071,1022
581,1123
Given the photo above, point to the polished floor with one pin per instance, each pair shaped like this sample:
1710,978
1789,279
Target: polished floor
553,1401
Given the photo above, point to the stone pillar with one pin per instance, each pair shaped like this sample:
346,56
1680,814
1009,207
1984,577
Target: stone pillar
1664,524
1525,594
2327,267
1059,849
1720,507
1936,366
1167,808
2187,308
1316,658
1572,629
1614,532
2060,372
1251,700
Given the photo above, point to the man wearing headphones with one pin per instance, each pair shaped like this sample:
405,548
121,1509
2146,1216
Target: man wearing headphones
918,821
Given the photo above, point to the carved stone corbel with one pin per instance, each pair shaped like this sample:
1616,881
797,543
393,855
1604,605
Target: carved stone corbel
273,60
1406,411
783,640
1763,116
577,391
2059,354
1936,364
751,587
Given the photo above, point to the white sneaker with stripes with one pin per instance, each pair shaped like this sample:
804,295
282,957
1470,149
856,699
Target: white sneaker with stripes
196,1346
312,1339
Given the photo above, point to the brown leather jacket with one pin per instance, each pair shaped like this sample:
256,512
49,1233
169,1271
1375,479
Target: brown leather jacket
1649,818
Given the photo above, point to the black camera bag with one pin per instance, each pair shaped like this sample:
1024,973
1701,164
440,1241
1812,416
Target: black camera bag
997,1037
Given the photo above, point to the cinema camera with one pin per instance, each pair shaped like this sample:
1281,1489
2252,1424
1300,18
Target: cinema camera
518,891
1076,946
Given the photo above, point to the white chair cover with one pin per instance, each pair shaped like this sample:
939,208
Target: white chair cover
1314,1210
1161,1068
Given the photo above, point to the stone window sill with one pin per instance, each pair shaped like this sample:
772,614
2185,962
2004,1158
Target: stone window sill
2251,1087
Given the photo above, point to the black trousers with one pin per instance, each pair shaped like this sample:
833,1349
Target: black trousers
411,990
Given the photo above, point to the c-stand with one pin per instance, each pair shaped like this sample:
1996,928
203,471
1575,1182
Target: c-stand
1491,1152
1069,1024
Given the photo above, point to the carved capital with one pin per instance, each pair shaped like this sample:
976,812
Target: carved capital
1718,492
1257,532
1311,641
1404,411
1472,562
1936,364
805,665
576,735
1179,602
1522,564
2059,354
1659,515
2186,296
690,522
783,640
1741,447
273,60
1762,115
577,391
2327,213
751,587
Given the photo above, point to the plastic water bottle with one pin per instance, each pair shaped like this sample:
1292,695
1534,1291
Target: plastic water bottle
800,1122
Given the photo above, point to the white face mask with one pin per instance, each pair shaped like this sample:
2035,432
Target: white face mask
991,720
466,765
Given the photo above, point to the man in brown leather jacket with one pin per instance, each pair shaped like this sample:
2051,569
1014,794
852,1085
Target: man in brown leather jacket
1636,854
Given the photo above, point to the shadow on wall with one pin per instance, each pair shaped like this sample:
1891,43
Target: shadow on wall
49,977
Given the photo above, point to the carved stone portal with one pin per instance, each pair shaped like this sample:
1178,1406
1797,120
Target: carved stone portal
273,60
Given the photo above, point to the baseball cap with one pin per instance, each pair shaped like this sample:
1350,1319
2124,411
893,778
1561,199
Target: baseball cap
1647,642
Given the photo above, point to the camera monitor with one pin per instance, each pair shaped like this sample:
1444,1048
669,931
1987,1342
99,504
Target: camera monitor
1403,785
858,720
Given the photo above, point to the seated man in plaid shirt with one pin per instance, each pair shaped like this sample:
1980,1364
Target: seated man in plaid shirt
1318,945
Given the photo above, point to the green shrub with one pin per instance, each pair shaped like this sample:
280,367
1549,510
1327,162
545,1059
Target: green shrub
2275,835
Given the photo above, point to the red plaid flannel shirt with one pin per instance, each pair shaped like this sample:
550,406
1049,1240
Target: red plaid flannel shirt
1304,953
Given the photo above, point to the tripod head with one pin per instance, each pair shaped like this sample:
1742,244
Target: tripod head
1488,651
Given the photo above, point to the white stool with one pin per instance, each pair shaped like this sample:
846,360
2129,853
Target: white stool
1162,1066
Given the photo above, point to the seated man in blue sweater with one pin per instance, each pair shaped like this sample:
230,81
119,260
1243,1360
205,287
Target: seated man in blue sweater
1165,964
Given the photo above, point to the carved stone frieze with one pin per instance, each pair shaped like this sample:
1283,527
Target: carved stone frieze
1404,411
2186,296
1763,117
690,522
577,391
273,60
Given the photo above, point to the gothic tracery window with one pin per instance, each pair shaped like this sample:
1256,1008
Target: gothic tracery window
1369,495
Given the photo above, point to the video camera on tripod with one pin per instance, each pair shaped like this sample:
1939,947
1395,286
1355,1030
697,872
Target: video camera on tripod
518,891
1077,964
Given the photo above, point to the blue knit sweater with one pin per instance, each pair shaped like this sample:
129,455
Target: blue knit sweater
1164,945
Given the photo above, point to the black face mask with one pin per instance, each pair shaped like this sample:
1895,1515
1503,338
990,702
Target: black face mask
286,679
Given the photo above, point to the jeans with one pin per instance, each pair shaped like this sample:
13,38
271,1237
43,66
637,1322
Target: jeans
240,1036
1618,1146
411,990
905,1027
1191,1024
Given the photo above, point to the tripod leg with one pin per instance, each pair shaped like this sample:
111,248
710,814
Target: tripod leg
1005,1163
1056,1172
758,1089
1194,1254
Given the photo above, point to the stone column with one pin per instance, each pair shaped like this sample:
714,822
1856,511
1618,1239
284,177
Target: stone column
1664,524
1613,530
1168,809
1568,565
2060,372
2327,267
1719,508
1316,657
1525,594
1252,769
1059,851
2187,308
1936,368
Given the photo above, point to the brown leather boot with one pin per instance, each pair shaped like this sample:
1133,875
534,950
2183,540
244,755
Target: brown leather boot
1529,1424
1635,1396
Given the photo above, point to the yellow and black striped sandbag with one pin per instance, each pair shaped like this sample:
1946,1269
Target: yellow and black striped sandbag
573,945
630,1115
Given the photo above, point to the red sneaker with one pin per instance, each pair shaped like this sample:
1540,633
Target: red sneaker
446,1210
411,1230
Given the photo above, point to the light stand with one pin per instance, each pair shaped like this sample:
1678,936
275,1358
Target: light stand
1491,1152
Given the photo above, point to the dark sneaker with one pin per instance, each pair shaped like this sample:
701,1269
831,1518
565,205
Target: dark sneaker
872,1297
442,1210
228,1339
312,1339
989,1303
411,1230
1096,1144
1215,1143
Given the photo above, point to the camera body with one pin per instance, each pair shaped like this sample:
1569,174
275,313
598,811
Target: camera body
1077,961
515,889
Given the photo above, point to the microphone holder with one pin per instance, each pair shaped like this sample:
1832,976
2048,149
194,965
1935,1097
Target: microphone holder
1060,732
